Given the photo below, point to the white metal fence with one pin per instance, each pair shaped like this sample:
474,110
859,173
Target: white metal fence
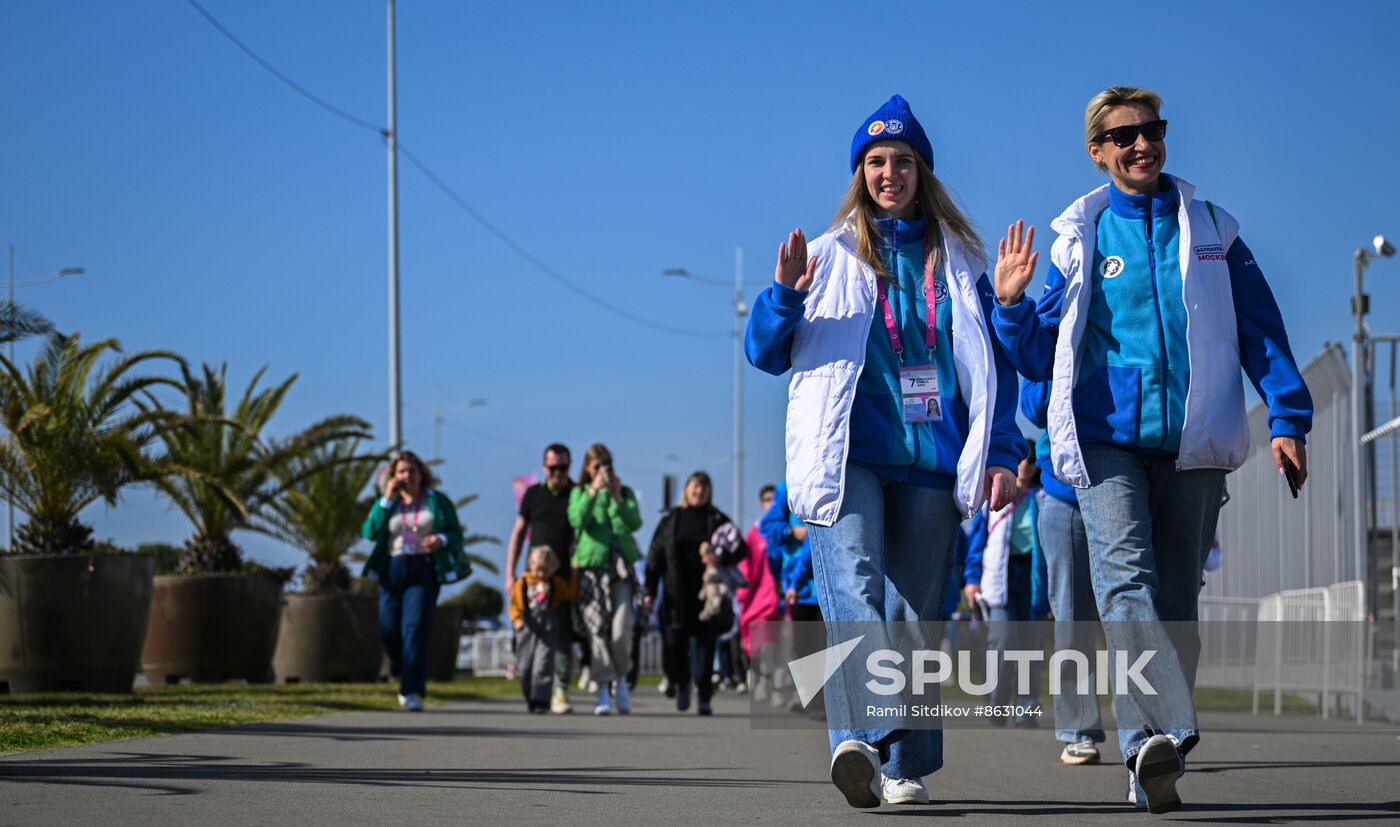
493,653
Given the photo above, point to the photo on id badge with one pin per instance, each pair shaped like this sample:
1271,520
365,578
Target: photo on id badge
919,392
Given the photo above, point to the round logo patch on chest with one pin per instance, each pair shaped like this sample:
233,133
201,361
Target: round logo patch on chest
940,292
1112,266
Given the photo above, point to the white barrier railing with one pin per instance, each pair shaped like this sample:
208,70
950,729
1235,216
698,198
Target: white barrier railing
493,653
1313,640
1228,636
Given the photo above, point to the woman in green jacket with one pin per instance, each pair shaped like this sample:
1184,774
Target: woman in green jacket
417,546
604,514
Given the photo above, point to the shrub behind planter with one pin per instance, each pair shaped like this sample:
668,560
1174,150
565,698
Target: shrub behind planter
73,622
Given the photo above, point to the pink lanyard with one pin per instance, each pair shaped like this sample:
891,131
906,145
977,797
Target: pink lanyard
930,315
416,513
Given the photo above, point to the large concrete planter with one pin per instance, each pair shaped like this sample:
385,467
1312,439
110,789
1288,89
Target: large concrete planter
328,638
443,643
73,623
212,627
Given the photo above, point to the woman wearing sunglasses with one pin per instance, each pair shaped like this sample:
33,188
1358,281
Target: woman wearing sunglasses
1152,304
889,311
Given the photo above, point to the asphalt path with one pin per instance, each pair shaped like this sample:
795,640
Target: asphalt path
489,762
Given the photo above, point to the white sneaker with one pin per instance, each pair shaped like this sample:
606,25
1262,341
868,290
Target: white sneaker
585,677
403,701
413,702
622,698
1157,767
664,685
559,704
855,770
903,790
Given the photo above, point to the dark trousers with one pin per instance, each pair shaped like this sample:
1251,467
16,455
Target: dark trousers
406,605
690,655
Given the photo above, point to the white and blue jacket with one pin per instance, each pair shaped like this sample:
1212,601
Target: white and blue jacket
821,336
1105,375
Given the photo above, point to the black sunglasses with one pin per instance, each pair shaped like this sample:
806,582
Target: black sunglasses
1125,136
552,468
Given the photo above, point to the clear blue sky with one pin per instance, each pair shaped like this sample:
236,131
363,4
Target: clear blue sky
220,214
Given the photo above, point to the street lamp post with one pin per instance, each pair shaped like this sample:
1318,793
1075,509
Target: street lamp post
741,310
1360,415
391,135
10,352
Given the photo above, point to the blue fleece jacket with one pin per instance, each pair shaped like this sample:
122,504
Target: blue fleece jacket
1129,390
924,453
794,557
1035,402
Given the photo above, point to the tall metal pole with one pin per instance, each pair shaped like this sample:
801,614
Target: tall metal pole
1358,424
1394,517
9,503
740,310
392,136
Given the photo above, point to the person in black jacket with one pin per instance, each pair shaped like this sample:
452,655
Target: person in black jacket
675,560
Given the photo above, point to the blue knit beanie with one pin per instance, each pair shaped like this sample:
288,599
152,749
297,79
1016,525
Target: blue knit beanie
891,122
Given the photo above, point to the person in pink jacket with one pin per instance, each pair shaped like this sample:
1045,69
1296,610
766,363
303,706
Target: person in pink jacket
760,601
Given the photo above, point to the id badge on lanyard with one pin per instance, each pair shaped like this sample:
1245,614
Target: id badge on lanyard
920,400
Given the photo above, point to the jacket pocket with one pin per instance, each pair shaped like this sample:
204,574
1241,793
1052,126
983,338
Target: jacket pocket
1108,403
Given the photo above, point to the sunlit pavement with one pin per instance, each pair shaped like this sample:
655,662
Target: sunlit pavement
489,762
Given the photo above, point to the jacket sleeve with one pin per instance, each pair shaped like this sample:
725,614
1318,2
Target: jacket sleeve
517,601
565,590
1008,446
1264,351
580,508
655,568
626,515
377,523
1035,402
1028,329
976,545
773,525
451,528
768,339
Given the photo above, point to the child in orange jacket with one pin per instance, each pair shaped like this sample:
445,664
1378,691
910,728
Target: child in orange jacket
534,611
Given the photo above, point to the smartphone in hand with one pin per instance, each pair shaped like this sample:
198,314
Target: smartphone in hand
1290,473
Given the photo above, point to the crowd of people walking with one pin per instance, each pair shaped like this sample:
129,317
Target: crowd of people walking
909,484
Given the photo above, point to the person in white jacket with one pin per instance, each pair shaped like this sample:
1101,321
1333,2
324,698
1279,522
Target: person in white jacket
888,312
1152,306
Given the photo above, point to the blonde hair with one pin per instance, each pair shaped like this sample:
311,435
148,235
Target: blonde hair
426,479
935,204
597,452
1110,99
545,555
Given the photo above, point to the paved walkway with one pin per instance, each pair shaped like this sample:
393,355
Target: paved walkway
489,762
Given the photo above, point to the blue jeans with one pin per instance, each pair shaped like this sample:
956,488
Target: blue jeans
1149,528
885,559
1066,549
1010,627
406,605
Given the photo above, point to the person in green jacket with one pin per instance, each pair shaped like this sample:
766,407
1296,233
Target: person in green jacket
604,513
417,546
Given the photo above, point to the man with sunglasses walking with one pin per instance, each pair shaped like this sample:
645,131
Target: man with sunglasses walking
544,518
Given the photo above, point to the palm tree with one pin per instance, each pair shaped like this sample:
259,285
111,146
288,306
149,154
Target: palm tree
321,509
227,471
470,540
18,322
74,437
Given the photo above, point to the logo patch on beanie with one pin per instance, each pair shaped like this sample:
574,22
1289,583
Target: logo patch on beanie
876,128
894,127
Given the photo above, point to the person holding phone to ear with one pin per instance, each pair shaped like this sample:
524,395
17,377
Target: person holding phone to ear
1152,305
889,306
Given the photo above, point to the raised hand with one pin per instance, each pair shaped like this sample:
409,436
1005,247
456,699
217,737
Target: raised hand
1015,262
794,269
